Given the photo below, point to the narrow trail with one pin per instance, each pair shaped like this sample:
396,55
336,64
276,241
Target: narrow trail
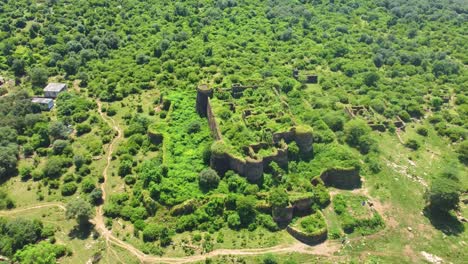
33,207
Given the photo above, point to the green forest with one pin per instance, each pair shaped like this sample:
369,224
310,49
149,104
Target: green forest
233,131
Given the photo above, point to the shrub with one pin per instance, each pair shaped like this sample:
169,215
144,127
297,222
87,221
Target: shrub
69,188
278,197
194,127
233,220
413,144
208,178
82,129
422,131
354,130
269,259
96,196
88,185
444,194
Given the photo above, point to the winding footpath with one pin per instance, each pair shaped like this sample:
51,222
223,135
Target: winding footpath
325,249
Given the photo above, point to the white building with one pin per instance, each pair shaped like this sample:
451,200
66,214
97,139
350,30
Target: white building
44,102
53,89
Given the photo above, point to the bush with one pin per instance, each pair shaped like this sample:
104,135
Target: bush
234,221
69,188
61,147
267,222
444,194
422,131
88,185
278,197
82,129
269,259
313,223
96,196
208,178
194,127
413,144
354,130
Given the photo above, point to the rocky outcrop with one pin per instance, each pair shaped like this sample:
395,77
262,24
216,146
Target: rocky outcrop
342,178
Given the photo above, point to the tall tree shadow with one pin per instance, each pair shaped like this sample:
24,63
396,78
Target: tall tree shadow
444,221
81,231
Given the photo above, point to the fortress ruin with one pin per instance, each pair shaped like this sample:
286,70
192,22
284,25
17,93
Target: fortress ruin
253,159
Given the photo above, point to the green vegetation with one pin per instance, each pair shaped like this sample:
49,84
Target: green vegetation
305,93
312,225
356,215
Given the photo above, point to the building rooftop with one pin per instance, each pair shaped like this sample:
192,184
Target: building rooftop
55,87
41,100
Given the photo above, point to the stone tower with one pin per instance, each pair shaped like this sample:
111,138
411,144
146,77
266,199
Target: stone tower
203,93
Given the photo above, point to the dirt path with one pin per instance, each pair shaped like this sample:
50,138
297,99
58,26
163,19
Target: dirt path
33,207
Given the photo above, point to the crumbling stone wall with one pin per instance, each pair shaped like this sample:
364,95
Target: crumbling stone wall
212,121
303,204
283,215
250,168
310,239
302,135
342,178
281,158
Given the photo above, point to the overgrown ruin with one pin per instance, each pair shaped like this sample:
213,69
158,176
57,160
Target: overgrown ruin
250,160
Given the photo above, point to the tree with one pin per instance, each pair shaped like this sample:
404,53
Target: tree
279,197
8,160
42,253
125,168
61,146
71,66
96,196
53,167
152,232
233,220
39,76
82,129
354,130
245,206
69,188
208,178
80,210
88,185
18,67
413,144
269,259
288,84
58,130
444,194
371,78
22,232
